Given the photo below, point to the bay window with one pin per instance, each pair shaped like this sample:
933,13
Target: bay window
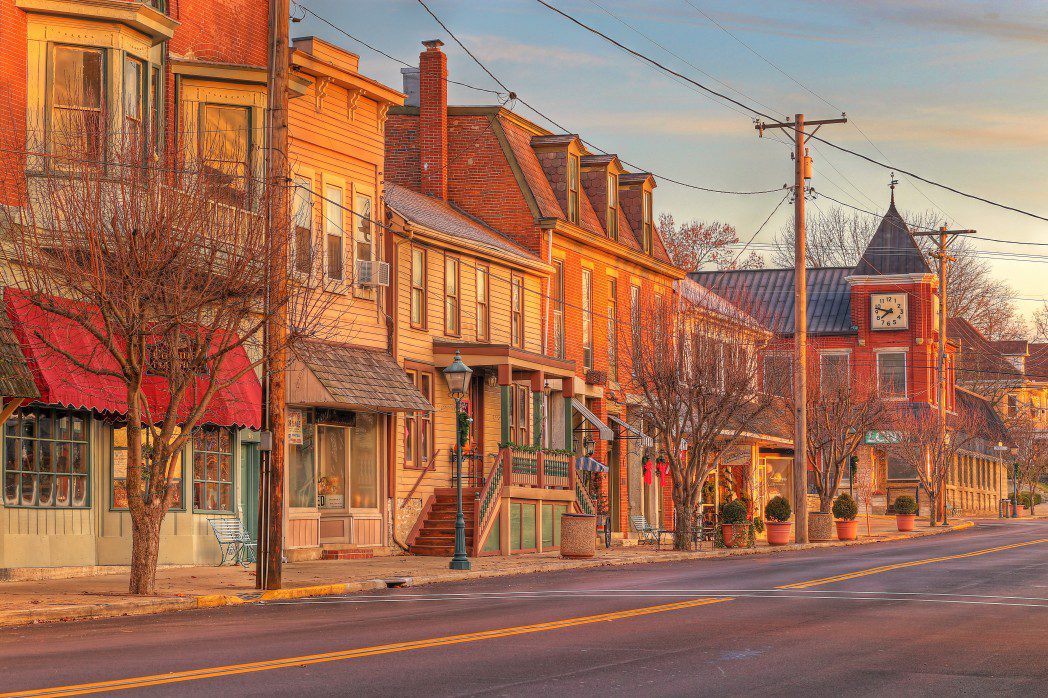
225,149
135,106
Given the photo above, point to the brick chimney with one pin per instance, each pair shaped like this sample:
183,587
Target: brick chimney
433,120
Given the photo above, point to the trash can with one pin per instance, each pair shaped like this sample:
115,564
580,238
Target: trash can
578,535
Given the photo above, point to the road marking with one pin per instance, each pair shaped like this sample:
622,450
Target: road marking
233,669
902,565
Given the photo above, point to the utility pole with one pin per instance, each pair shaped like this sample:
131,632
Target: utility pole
802,173
269,562
942,239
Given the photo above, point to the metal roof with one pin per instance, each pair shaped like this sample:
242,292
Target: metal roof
767,295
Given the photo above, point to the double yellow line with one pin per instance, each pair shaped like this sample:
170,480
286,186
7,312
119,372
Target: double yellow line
903,565
232,669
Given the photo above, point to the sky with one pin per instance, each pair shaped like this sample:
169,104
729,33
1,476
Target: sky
955,91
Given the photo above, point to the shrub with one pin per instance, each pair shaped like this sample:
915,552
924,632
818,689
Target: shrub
733,512
778,509
1024,498
758,524
845,508
905,505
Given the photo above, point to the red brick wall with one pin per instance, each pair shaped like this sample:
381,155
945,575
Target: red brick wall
12,96
231,31
402,158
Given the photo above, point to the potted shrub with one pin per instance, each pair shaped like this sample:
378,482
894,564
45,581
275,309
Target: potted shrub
733,516
905,512
844,511
777,515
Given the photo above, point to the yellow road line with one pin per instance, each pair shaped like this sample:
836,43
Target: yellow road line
901,565
232,669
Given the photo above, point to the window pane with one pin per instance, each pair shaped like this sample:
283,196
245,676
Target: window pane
133,92
10,488
363,476
78,77
332,484
225,146
302,473
334,255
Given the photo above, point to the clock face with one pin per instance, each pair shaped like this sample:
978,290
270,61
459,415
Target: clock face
889,311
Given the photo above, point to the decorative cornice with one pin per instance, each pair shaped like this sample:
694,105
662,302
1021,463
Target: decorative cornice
889,279
136,15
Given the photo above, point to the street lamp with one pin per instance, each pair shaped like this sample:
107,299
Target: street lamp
457,375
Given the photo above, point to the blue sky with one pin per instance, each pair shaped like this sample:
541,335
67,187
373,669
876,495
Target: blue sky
956,91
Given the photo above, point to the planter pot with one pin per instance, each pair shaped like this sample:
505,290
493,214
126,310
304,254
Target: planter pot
820,526
735,535
578,536
905,521
778,532
847,530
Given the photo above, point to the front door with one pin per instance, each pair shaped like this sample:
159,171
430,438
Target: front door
251,464
614,485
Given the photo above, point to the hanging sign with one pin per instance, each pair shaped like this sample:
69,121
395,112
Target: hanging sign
879,438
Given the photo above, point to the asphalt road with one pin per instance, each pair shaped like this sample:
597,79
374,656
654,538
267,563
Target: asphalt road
921,617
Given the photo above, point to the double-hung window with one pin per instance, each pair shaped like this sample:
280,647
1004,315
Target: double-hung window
834,374
418,288
613,330
646,229
213,469
334,232
558,309
45,458
225,149
778,374
573,187
587,319
452,299
363,235
517,310
303,225
891,374
613,206
418,426
78,120
483,275
135,106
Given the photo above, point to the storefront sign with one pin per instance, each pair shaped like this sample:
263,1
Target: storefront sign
880,438
295,420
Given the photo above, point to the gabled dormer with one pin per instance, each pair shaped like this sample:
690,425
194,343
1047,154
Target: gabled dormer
560,156
600,181
635,199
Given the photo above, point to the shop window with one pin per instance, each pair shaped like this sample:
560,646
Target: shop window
418,426
303,225
225,149
418,288
452,300
77,102
483,303
331,488
891,374
119,476
46,458
517,311
334,243
213,470
302,468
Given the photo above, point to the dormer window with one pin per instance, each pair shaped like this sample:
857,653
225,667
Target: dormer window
573,188
613,206
646,231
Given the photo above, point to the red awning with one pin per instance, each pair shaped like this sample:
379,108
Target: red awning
64,380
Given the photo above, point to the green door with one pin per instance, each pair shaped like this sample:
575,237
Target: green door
249,459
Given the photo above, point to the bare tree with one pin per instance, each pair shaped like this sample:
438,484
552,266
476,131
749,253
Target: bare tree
696,244
1040,324
694,362
837,238
930,447
1030,443
842,408
162,262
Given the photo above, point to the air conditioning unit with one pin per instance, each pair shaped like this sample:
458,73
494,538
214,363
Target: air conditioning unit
372,274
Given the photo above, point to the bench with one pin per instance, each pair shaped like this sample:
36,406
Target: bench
648,533
234,541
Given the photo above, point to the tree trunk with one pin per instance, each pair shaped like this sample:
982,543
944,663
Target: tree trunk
825,503
683,524
933,512
145,549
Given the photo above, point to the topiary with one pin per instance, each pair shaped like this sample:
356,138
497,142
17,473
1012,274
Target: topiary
733,512
905,505
778,509
845,508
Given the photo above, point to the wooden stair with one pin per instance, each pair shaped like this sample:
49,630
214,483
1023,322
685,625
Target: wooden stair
436,537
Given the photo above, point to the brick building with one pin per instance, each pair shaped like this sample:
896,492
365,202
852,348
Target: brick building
879,322
580,213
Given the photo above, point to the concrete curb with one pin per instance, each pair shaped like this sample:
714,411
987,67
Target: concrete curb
138,607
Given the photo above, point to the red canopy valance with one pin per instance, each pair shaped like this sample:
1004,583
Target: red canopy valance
64,381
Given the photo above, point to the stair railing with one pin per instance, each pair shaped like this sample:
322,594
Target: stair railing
487,504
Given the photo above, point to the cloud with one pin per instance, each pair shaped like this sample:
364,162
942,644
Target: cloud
499,49
964,127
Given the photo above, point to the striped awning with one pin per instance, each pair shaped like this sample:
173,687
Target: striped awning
645,440
605,432
590,465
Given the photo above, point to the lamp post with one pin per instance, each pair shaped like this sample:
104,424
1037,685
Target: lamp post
457,375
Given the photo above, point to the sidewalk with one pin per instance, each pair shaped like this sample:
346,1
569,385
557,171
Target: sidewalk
180,588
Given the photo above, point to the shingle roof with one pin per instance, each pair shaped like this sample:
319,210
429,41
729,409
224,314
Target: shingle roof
15,378
361,378
1037,362
978,361
1012,347
990,425
892,249
444,218
767,294
520,144
697,294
